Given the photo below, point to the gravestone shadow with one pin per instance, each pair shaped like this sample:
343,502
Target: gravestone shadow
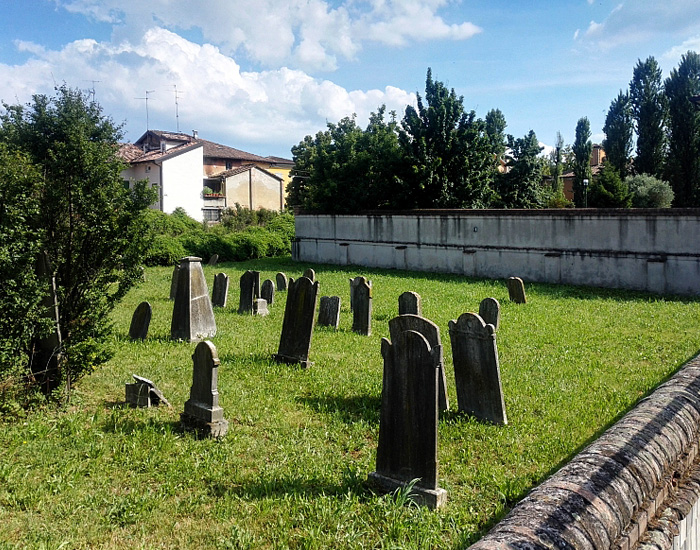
347,409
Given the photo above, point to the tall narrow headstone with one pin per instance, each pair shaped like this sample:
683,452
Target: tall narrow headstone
408,423
193,315
140,321
516,290
361,298
410,304
477,373
310,274
256,284
219,295
329,312
173,282
213,260
431,332
202,411
267,292
298,323
281,280
247,295
490,312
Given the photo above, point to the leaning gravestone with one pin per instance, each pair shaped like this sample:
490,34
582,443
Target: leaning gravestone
260,307
310,274
219,295
361,298
516,290
193,315
408,423
267,291
477,373
410,304
203,414
431,333
281,280
213,260
173,282
298,323
143,393
490,312
140,321
329,312
248,294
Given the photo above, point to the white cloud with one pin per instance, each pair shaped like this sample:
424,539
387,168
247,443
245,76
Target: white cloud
673,56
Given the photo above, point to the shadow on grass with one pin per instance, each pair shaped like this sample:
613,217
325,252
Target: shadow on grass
347,409
131,426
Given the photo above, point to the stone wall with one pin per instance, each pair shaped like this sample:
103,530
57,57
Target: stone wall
652,250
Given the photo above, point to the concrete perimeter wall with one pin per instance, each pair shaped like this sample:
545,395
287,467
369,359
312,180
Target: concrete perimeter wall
652,250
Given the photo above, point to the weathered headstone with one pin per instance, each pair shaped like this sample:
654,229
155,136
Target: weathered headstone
516,290
173,282
329,312
477,373
143,393
260,307
410,304
256,284
431,332
248,294
213,260
202,411
219,296
298,323
140,321
361,297
408,423
310,274
281,280
193,315
267,292
490,312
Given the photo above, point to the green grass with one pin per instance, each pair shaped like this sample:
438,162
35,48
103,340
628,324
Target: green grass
291,473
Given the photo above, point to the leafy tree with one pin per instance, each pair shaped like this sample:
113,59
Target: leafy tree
581,150
556,162
649,110
619,128
683,167
521,186
447,151
90,226
649,192
495,130
608,190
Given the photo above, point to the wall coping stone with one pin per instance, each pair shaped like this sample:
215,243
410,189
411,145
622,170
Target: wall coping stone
628,490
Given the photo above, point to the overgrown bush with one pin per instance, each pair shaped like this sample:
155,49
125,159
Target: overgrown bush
649,192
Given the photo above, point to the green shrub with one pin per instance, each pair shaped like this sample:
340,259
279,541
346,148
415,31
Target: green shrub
649,192
164,250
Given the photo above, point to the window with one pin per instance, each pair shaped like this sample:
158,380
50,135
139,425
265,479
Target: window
211,214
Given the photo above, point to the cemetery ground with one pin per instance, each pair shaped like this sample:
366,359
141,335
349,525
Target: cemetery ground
292,470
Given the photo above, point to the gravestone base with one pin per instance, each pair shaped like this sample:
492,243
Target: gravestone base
432,498
215,428
305,363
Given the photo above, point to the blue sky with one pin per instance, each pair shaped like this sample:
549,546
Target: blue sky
260,75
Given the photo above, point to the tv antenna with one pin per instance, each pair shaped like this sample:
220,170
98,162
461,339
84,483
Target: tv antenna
146,99
177,107
91,91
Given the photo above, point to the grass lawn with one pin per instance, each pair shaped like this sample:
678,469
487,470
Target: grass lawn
291,473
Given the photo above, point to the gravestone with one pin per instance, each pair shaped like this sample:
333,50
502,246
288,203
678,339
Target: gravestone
361,298
173,282
219,295
193,315
213,260
298,323
490,312
516,290
408,423
143,393
329,312
267,291
477,373
248,291
140,321
431,332
310,274
281,280
410,304
260,307
203,414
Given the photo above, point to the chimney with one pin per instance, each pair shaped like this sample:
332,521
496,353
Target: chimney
195,134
